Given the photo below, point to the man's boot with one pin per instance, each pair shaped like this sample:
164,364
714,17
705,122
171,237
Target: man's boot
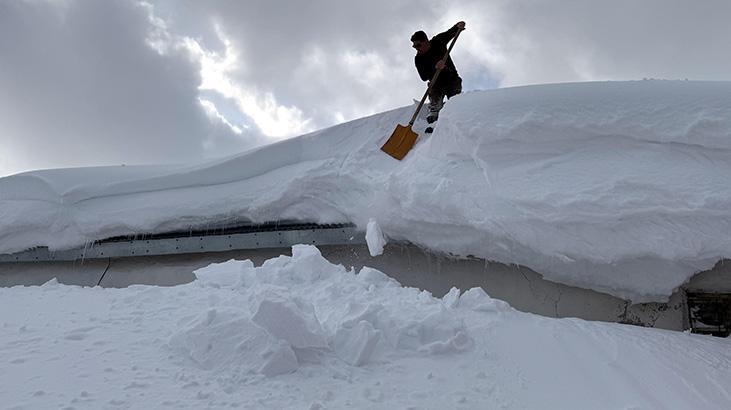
436,102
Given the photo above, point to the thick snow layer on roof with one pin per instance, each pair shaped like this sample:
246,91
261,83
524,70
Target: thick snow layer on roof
622,187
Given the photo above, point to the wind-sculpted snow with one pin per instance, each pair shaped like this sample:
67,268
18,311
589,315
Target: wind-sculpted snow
620,187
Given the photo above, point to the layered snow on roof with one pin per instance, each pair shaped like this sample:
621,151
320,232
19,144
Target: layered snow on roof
622,187
301,333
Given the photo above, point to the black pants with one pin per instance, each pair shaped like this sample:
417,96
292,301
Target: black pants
440,90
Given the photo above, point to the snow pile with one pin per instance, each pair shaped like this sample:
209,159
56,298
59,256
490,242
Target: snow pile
296,309
299,332
620,187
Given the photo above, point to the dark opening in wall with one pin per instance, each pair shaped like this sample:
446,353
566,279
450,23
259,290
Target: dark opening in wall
710,313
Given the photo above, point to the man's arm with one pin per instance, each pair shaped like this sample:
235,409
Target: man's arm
449,34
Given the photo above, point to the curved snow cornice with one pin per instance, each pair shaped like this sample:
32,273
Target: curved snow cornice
621,187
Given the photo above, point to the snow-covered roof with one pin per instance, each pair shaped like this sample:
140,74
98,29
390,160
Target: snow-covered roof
621,187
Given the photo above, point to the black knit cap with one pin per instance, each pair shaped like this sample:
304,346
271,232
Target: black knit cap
419,36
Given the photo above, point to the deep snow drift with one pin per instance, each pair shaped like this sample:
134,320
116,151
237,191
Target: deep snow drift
621,187
301,333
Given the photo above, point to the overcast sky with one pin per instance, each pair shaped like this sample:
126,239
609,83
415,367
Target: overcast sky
89,82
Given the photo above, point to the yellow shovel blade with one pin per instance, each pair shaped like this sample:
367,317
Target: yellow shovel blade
400,143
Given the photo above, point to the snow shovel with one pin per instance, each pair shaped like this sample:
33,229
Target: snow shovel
404,138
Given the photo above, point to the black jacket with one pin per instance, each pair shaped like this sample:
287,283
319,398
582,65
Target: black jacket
425,63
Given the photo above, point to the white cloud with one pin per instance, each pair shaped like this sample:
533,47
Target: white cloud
215,115
525,42
273,119
89,82
310,62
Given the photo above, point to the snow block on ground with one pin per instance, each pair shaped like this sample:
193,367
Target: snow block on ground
291,320
279,359
356,345
439,332
217,339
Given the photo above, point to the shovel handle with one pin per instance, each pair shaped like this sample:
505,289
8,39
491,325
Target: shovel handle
434,79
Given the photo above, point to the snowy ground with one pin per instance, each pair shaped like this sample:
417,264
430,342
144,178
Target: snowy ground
301,333
620,187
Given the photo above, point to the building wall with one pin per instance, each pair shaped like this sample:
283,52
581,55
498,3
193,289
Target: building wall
523,288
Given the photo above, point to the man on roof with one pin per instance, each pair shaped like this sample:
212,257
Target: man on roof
429,54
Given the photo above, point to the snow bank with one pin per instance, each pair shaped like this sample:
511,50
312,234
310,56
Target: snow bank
620,187
296,309
299,332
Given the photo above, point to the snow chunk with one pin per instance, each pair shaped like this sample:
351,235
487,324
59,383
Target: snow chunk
375,238
356,345
457,343
437,333
222,275
476,299
451,299
305,266
373,277
222,339
219,338
279,360
290,319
